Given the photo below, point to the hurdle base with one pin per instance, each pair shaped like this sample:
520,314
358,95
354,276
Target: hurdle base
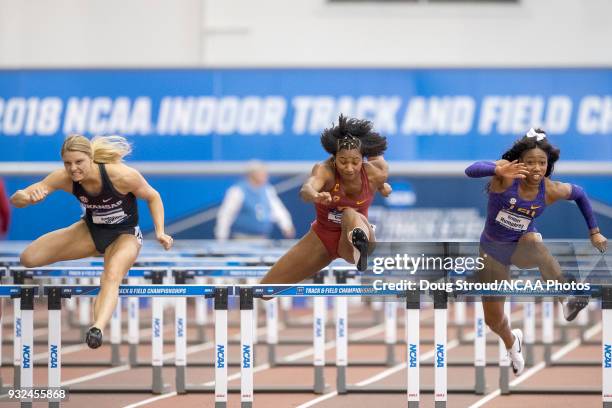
575,363
440,404
220,404
555,390
264,389
246,404
118,389
390,389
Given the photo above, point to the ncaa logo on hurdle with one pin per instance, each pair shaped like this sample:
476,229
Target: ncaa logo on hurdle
300,290
607,355
246,356
220,356
53,355
180,328
440,358
413,355
25,356
156,327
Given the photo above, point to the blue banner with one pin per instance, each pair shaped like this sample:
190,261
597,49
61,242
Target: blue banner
237,114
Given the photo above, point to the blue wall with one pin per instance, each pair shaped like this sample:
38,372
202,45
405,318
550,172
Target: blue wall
277,114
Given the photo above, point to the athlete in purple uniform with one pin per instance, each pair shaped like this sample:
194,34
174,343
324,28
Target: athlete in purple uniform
519,191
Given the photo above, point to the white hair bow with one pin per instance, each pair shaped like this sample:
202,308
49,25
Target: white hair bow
533,133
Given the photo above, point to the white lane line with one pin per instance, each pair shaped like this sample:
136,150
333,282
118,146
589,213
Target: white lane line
150,400
538,367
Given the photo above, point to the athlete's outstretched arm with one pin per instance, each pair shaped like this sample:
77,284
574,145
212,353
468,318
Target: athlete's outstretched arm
320,176
564,191
381,168
499,169
134,182
35,193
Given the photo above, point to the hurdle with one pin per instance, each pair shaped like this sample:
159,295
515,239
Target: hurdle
19,275
156,291
23,374
247,294
605,293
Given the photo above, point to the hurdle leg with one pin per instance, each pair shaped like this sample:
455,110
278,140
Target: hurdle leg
561,322
180,343
440,335
1,324
247,317
157,341
84,310
459,316
582,320
390,330
548,322
115,334
606,345
504,358
220,347
71,305
17,333
412,325
200,312
319,322
341,343
133,325
272,329
529,329
27,342
54,376
480,348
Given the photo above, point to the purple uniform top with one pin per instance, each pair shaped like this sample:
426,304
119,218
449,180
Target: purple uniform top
509,216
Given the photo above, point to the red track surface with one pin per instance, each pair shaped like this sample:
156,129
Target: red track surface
569,377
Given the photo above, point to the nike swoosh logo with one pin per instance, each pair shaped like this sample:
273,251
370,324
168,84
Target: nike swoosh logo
520,345
534,207
107,200
361,202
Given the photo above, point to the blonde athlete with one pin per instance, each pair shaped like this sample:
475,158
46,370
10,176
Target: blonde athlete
95,174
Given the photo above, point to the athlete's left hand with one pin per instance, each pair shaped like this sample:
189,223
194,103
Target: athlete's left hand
165,240
385,190
600,242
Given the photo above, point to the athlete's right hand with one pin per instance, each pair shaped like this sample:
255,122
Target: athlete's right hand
322,197
38,194
513,169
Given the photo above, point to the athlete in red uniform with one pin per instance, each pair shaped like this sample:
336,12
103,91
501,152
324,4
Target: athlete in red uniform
342,189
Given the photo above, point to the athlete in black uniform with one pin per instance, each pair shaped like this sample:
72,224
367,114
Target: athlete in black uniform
107,189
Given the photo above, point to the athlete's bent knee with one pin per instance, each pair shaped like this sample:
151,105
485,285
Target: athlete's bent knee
29,259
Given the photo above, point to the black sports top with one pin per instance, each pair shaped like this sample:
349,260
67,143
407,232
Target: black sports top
109,208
